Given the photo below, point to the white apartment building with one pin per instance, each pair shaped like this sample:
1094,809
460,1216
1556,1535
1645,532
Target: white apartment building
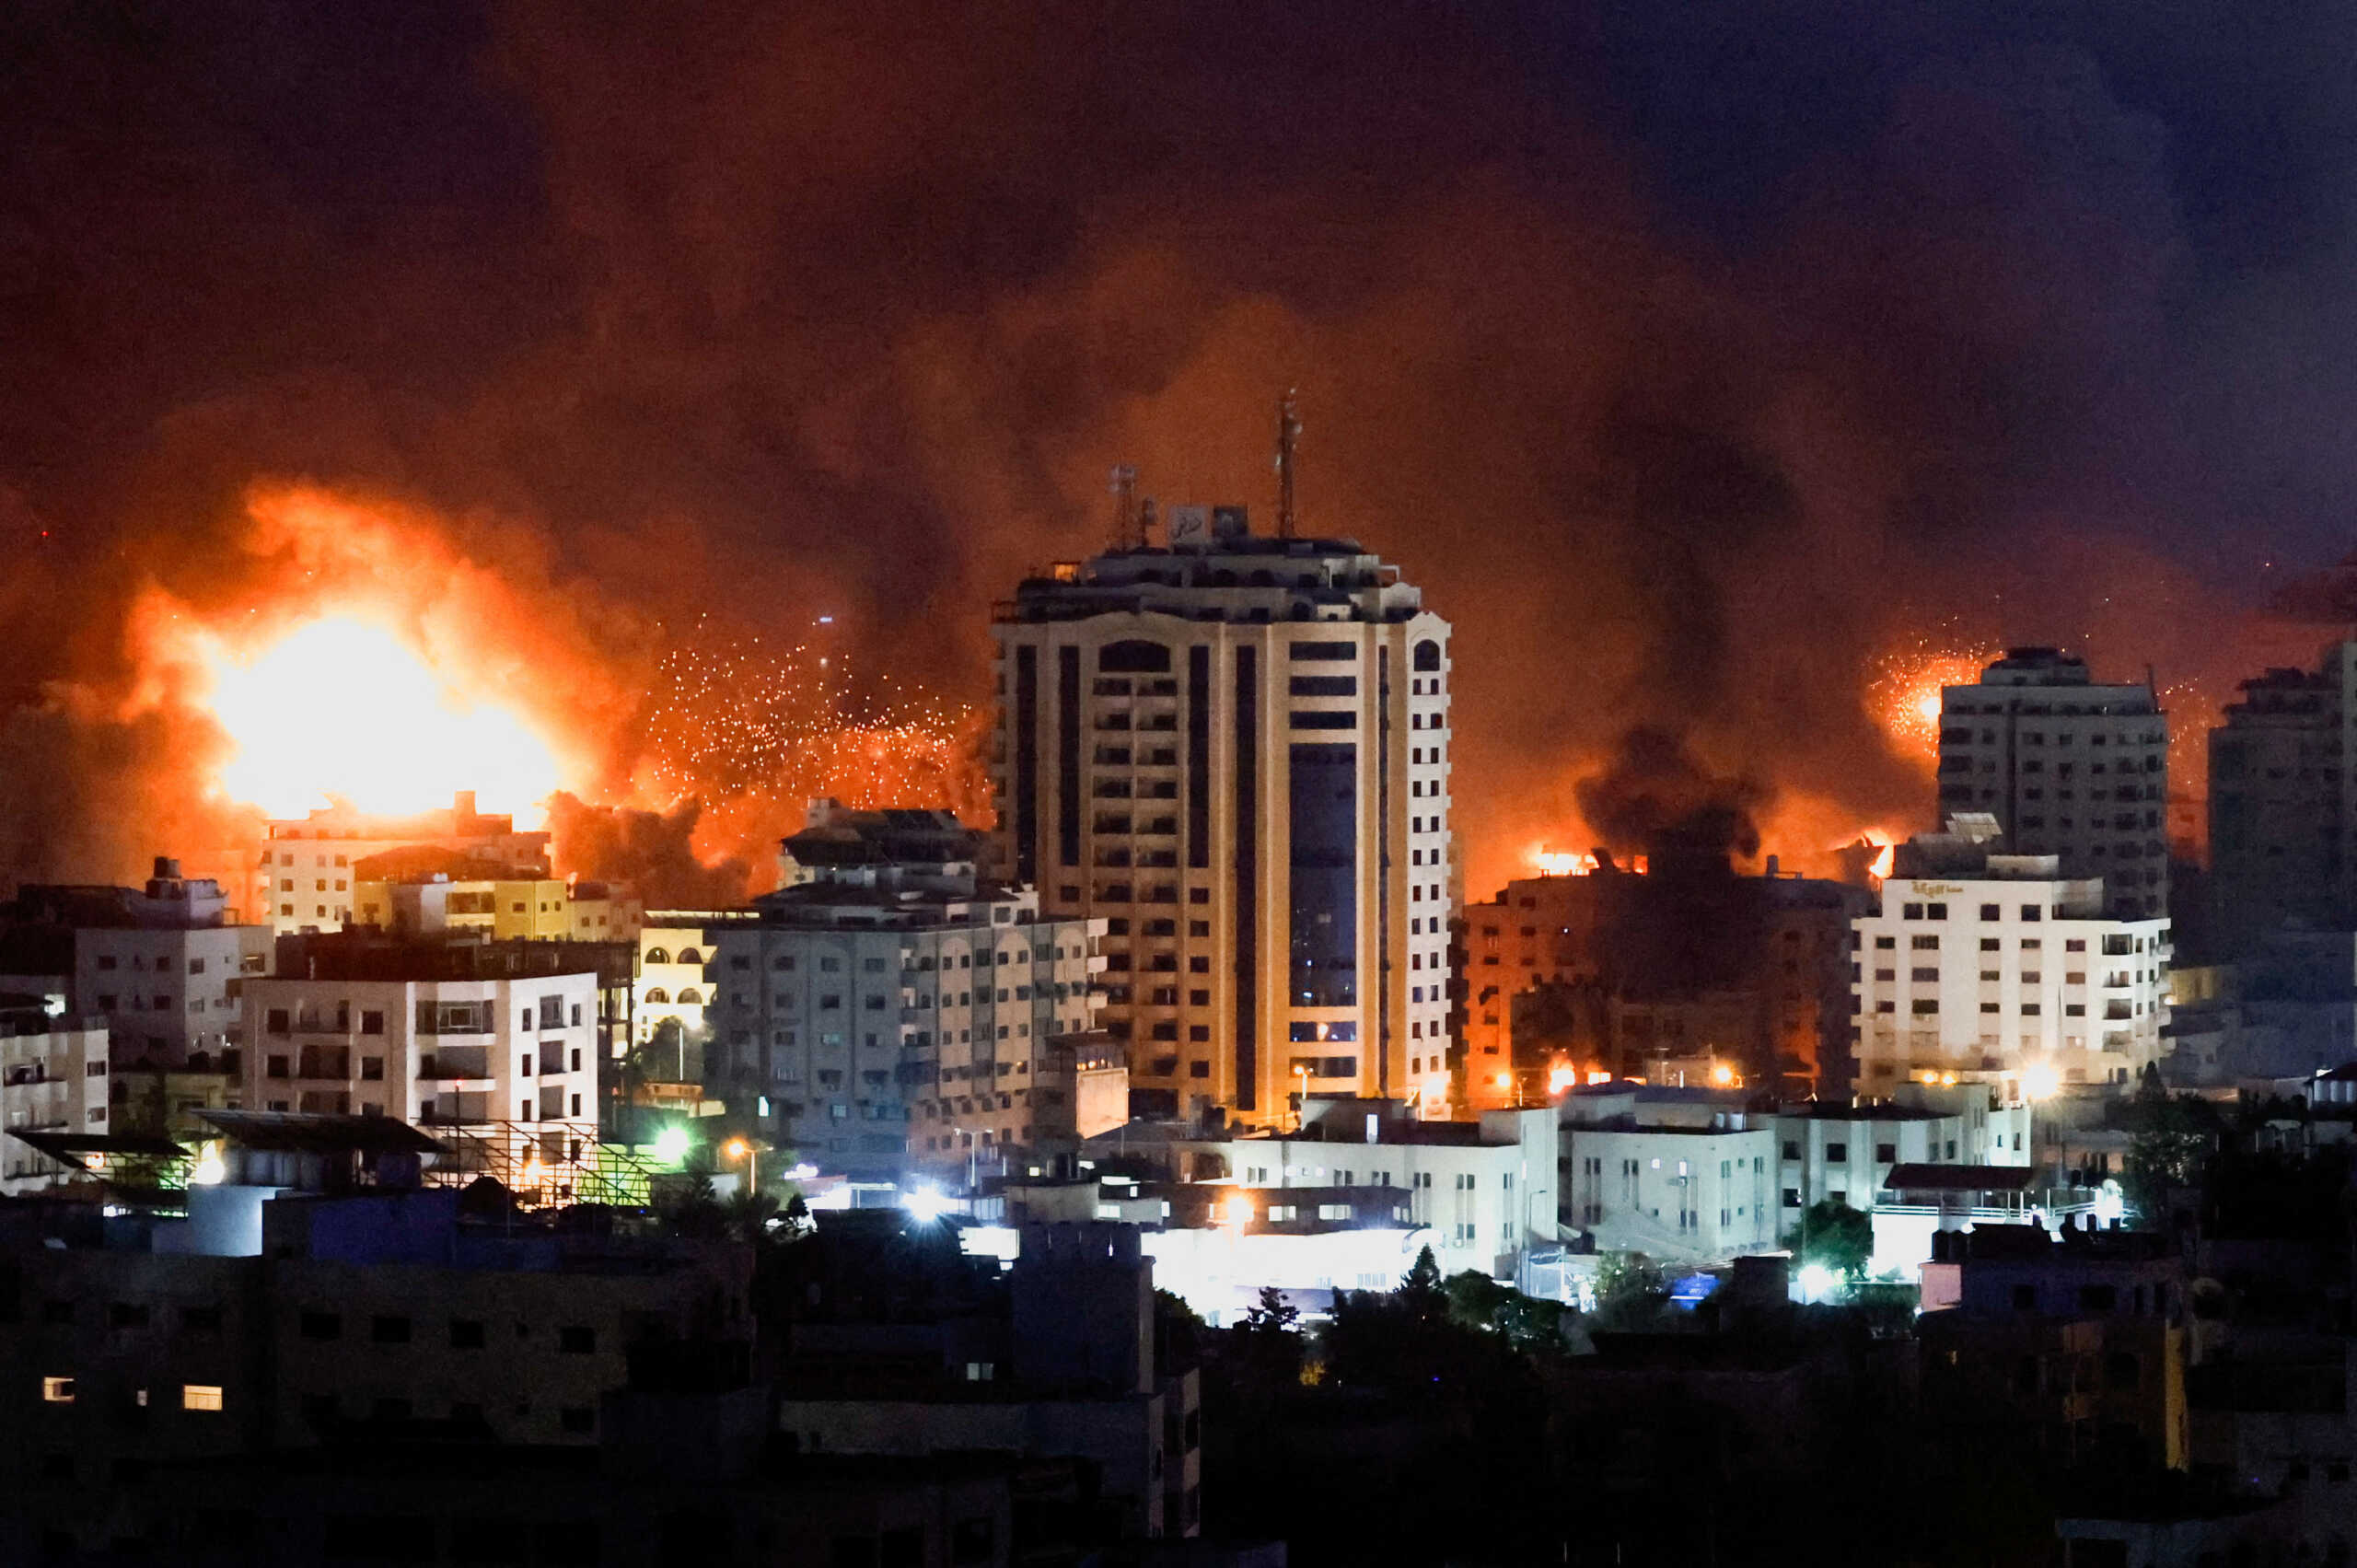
1235,751
1827,1150
463,1037
160,967
2068,768
1997,969
303,876
1485,1190
52,1079
889,1006
1682,1175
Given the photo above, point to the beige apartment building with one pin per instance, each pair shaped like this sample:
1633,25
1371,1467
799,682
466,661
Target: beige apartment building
1235,751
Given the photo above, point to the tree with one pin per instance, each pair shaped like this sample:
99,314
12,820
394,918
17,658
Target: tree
1833,1235
1268,1345
1630,1292
2168,1138
1420,1289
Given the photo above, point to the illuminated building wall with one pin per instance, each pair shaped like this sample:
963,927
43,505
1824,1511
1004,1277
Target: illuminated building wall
2006,973
52,1079
303,876
888,1006
1235,752
422,1034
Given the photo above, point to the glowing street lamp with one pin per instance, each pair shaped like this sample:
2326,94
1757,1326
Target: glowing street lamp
743,1149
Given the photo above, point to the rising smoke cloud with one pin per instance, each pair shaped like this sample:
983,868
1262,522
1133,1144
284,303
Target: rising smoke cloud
1687,404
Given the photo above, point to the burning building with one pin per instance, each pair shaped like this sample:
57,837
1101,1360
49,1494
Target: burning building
1619,971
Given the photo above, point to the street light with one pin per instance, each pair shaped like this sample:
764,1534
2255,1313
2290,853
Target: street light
742,1149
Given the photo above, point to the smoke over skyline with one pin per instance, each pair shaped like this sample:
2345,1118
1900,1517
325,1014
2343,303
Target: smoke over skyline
1692,359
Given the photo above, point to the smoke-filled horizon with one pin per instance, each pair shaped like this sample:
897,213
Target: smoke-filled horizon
1698,362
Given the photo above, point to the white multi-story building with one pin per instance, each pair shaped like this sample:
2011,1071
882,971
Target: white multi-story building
1235,751
52,1079
303,878
160,968
889,1006
1683,1175
465,1037
1485,1190
1844,1152
2068,768
1997,969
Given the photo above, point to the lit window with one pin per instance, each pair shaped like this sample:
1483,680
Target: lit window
200,1396
57,1390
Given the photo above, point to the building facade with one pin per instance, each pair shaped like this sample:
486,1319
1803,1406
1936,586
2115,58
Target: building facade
2284,801
1235,752
495,1045
52,1079
1485,1188
160,967
1613,970
1686,1175
1998,968
2069,767
304,874
893,1006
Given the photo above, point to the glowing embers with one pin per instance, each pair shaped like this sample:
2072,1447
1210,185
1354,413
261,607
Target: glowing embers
1905,697
341,707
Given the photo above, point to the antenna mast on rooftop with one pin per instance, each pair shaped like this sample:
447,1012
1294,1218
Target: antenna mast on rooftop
1288,433
1127,532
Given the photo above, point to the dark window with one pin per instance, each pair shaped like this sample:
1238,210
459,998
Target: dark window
1323,875
466,1333
578,1419
2025,1298
1324,685
1299,651
200,1320
1068,755
1324,721
974,1541
126,1315
1427,654
389,1329
1245,868
1134,656
576,1341
323,1326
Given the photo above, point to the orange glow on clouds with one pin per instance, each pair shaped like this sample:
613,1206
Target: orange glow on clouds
342,707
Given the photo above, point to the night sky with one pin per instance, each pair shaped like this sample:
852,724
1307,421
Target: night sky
1695,358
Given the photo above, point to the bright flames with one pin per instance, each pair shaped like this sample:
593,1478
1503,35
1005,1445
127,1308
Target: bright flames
1907,693
342,707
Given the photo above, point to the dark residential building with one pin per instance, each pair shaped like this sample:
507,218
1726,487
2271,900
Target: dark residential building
2068,767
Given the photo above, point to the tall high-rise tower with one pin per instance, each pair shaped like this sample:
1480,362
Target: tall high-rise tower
1236,750
2068,767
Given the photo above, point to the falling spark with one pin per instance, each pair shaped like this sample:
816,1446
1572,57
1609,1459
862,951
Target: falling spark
1906,694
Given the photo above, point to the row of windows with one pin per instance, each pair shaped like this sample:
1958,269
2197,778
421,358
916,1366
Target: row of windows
58,1391
465,1333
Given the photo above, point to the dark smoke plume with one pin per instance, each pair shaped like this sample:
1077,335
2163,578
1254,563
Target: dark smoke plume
1692,357
1653,798
653,850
